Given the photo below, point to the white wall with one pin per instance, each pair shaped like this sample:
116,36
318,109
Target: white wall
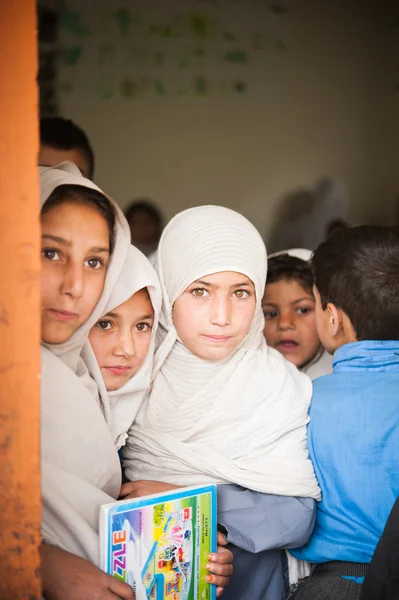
323,105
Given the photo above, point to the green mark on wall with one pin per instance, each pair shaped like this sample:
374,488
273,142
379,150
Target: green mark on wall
229,37
124,20
200,86
129,88
236,56
199,26
71,55
72,22
164,31
199,52
159,88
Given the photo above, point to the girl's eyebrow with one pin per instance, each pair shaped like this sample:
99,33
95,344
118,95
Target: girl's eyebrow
204,283
146,317
55,238
60,240
235,285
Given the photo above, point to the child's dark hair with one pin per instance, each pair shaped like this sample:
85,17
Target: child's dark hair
80,194
358,271
145,206
63,134
290,268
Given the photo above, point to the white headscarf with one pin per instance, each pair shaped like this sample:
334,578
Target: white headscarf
238,420
121,406
80,466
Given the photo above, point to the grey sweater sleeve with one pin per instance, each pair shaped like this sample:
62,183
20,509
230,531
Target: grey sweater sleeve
258,522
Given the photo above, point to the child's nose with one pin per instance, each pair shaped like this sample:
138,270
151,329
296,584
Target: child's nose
286,321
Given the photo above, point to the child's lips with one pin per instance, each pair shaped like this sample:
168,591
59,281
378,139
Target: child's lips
288,345
118,369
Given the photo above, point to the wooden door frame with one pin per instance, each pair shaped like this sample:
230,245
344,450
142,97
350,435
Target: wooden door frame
20,513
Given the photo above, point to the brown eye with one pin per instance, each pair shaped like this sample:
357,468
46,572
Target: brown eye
50,254
104,325
94,263
199,292
143,327
241,294
270,314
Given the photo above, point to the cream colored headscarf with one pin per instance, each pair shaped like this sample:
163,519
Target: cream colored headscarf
121,406
80,466
239,420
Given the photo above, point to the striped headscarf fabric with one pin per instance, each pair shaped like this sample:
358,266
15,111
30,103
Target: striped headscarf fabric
238,420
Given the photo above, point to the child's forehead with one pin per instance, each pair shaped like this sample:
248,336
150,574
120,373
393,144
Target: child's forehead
287,288
224,278
138,301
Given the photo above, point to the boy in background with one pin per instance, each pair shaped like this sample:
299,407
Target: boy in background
353,434
61,139
289,308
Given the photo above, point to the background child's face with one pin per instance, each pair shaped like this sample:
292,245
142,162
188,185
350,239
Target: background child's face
290,324
143,228
51,157
214,314
75,252
121,339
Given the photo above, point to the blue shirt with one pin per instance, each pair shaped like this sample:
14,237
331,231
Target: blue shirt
353,438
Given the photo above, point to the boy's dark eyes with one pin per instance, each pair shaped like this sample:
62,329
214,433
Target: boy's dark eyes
270,314
304,310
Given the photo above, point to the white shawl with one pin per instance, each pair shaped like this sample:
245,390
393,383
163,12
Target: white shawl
239,420
121,406
80,466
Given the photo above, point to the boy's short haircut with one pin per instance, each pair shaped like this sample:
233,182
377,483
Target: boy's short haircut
63,134
290,268
358,271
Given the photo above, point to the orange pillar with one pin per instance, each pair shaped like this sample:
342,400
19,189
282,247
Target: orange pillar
19,305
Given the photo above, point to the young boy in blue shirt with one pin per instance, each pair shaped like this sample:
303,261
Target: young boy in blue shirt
353,435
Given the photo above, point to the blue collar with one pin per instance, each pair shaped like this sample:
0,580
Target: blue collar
371,355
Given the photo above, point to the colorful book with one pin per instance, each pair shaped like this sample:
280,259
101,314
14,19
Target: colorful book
160,544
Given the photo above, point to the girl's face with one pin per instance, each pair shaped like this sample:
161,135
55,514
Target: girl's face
214,314
75,253
290,324
121,339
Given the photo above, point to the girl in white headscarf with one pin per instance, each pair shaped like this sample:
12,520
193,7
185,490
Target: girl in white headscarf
223,407
119,356
120,349
85,240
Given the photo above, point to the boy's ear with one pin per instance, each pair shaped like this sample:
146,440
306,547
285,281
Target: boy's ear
335,320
